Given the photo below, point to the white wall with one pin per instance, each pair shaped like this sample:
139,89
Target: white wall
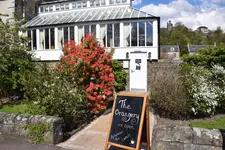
7,7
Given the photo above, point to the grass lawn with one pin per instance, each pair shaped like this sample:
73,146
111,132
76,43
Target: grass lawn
20,108
217,124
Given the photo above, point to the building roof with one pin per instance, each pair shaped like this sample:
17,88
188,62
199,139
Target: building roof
169,48
86,15
196,48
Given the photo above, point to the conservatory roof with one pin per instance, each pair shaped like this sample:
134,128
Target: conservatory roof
87,15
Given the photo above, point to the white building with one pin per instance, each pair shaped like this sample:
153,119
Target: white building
115,23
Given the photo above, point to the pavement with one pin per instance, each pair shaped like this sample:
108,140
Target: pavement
20,143
93,136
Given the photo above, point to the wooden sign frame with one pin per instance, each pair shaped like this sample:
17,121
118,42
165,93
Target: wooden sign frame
144,115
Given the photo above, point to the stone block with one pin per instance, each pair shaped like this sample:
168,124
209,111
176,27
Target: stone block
168,146
9,119
207,137
181,134
200,147
2,114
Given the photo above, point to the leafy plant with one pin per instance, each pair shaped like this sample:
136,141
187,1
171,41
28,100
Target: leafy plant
168,95
91,67
37,132
120,76
51,92
15,62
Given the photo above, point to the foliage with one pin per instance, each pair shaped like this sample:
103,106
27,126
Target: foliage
15,61
168,95
207,57
181,35
120,76
217,124
51,92
91,66
37,132
206,87
19,108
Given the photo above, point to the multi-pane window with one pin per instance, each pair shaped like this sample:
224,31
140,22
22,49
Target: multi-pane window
46,43
57,7
65,34
86,30
80,33
134,34
60,37
29,38
138,34
31,34
109,35
72,33
52,38
93,30
51,8
34,39
67,6
116,35
141,33
126,34
149,33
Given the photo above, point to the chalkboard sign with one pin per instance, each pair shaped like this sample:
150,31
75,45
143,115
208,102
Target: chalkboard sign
128,116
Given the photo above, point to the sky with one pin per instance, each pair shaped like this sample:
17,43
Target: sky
192,13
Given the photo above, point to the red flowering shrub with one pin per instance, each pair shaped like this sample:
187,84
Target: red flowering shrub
91,68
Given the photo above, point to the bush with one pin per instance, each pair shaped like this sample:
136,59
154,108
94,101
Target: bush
50,92
206,88
207,57
120,76
15,62
91,66
169,97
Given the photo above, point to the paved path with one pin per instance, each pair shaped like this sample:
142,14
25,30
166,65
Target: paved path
93,137
20,143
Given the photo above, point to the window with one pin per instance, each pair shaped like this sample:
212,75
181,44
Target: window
42,38
79,5
74,5
46,38
46,9
141,33
52,38
34,39
71,33
149,33
134,34
97,3
84,4
93,30
80,33
118,1
86,30
60,38
62,7
116,35
126,34
92,3
41,9
102,37
124,1
66,32
109,36
51,8
112,1
67,6
29,38
102,2
57,7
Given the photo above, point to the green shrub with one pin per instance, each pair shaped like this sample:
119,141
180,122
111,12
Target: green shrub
37,132
168,96
206,88
52,93
207,57
120,76
15,62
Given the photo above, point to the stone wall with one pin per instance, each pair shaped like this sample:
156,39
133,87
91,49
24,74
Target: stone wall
160,68
186,138
13,125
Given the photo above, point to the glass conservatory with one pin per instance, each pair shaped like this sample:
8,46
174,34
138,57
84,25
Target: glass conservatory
115,23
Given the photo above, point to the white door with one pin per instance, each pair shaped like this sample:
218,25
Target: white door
138,71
